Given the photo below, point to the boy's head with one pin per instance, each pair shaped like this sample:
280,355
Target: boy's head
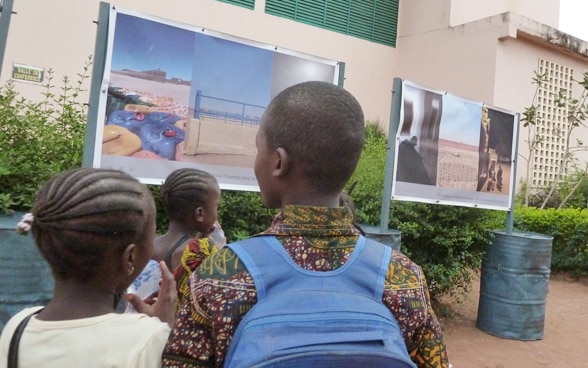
311,133
191,197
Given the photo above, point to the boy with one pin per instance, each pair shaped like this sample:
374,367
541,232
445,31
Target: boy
308,145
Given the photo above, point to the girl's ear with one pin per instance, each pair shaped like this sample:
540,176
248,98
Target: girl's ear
128,259
199,214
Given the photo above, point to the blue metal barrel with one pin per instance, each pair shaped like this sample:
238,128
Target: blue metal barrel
25,276
514,284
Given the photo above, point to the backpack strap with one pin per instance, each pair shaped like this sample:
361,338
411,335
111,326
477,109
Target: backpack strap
15,340
273,270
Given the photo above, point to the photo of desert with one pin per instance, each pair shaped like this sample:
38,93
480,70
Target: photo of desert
451,150
478,156
458,168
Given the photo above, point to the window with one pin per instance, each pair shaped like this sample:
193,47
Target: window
372,20
249,4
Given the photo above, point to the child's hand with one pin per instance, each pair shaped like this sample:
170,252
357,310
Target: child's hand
162,304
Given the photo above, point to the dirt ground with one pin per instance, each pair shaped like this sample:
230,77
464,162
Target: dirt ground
564,344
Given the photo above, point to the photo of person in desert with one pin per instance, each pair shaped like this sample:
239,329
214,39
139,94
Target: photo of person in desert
495,155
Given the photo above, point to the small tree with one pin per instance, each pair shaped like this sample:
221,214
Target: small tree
577,109
39,139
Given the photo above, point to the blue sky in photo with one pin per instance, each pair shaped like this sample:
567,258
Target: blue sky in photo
218,67
232,70
460,120
141,44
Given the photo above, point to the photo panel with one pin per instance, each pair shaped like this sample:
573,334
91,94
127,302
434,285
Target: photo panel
450,150
178,95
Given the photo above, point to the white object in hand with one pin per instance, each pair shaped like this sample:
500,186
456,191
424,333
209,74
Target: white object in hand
217,236
145,284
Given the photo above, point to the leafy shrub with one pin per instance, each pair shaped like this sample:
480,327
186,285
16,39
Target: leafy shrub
39,139
447,241
243,214
569,228
365,185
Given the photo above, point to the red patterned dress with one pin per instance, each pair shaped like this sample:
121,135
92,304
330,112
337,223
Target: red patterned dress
318,239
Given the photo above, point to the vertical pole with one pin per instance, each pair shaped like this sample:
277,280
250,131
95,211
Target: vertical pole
197,104
96,85
4,26
341,79
513,178
391,154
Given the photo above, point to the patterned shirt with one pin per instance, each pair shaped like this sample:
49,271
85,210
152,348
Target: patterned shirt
317,239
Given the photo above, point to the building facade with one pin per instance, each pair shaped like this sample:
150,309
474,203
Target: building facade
482,50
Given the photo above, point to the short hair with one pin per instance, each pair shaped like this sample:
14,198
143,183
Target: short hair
184,190
82,213
321,126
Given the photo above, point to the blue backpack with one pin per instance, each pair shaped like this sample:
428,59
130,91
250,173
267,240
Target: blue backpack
307,318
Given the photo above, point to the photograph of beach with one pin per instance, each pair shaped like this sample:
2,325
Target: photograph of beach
183,95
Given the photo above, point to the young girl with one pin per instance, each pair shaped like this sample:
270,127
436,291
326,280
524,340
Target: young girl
190,198
95,228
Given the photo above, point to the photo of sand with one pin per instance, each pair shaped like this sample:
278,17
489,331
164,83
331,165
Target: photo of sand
458,168
206,140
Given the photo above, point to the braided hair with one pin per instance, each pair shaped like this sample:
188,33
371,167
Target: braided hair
184,190
81,214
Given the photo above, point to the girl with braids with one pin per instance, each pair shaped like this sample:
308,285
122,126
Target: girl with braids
190,198
95,228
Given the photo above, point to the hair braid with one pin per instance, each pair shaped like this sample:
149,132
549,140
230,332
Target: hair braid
184,190
81,213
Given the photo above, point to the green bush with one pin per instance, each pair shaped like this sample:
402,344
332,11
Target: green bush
39,139
243,214
569,228
447,241
365,185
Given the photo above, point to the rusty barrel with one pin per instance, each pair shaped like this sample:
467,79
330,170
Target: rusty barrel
513,286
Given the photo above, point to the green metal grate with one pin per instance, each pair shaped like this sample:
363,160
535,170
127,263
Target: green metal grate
372,20
249,4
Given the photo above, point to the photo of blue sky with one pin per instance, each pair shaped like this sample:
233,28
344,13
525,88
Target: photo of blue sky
140,44
461,120
232,71
233,77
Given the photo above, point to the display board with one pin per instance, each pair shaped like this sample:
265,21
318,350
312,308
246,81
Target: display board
450,150
176,95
